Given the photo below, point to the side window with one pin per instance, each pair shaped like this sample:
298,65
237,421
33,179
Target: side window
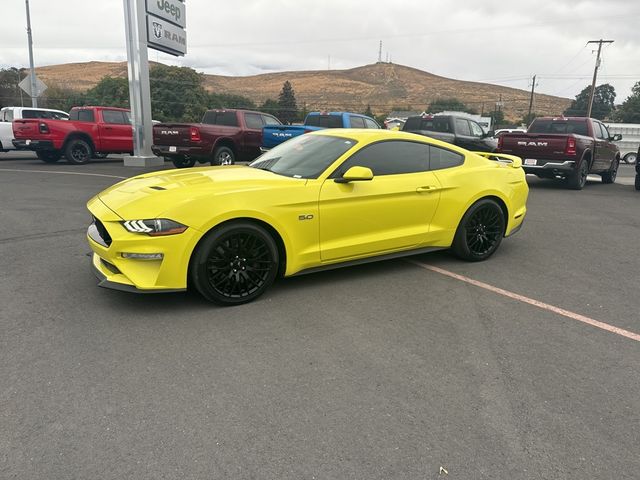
113,116
476,130
605,131
356,122
31,114
440,158
269,120
462,127
370,123
389,158
597,131
85,116
253,121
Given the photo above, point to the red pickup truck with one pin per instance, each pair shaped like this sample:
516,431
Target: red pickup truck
222,137
567,148
88,132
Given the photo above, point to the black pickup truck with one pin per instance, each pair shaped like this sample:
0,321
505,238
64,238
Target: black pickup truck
458,130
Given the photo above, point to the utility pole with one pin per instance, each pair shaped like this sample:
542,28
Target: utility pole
34,91
533,87
595,72
380,53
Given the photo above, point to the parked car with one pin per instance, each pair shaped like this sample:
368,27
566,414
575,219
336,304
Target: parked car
567,148
9,114
630,141
637,183
90,131
273,135
460,131
326,199
222,137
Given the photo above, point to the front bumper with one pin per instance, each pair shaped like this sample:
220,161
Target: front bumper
33,144
108,240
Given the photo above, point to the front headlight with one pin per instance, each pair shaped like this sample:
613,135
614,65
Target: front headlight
154,227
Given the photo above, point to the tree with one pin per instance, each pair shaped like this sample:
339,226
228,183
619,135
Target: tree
603,102
288,109
62,98
270,106
368,111
497,117
226,100
110,92
448,104
10,93
177,94
528,118
629,111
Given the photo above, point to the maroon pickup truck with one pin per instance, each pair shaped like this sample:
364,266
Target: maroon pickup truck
222,137
567,148
90,131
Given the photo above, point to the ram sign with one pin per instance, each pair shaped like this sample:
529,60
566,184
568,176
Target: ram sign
165,36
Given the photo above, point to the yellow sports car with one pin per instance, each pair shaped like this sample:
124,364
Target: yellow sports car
321,200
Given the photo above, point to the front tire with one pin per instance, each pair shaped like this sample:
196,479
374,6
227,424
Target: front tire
183,162
78,152
223,156
630,158
235,263
610,176
480,231
48,156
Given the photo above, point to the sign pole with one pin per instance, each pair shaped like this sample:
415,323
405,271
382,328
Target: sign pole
139,90
32,75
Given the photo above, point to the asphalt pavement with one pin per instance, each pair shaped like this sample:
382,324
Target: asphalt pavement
383,371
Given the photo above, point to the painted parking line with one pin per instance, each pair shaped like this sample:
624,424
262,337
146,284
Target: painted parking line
536,303
62,173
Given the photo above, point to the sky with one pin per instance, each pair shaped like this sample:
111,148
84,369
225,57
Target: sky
501,42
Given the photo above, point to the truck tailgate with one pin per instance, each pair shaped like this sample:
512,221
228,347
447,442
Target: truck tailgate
26,128
535,145
273,135
177,134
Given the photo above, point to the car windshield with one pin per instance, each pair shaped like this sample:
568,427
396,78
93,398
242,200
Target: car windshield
305,156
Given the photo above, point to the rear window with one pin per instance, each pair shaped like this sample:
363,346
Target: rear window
44,114
81,115
579,127
325,121
228,119
434,124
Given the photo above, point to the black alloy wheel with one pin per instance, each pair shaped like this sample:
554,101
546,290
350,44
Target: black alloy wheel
48,156
480,231
183,162
578,179
235,263
78,152
610,176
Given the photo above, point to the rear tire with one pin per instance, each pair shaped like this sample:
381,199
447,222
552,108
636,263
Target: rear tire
234,263
223,156
630,158
480,231
48,156
78,152
183,162
578,179
610,176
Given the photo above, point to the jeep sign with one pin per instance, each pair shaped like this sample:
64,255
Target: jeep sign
170,10
165,36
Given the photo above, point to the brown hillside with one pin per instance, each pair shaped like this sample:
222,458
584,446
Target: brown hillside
384,86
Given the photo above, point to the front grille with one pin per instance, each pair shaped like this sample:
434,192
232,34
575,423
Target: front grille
102,231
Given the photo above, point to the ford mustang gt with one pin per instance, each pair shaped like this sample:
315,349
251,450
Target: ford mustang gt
321,200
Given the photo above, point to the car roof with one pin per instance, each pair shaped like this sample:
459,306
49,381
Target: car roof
22,109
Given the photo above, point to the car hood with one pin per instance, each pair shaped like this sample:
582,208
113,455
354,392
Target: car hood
153,194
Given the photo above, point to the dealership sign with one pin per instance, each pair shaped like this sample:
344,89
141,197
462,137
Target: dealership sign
166,20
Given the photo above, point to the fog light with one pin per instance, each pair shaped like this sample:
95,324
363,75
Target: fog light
142,256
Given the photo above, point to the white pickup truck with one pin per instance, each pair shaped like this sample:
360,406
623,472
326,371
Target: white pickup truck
9,114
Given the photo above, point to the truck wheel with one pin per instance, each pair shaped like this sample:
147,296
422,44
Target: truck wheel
183,162
78,152
630,158
578,179
637,181
223,156
480,231
610,176
48,156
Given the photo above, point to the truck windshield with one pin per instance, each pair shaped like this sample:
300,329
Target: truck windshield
434,124
305,156
579,127
324,121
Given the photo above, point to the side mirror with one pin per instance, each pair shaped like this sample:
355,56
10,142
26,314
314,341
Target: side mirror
356,174
490,133
616,138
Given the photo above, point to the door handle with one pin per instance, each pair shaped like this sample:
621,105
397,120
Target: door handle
427,188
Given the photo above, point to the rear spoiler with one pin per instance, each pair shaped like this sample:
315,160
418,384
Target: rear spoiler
512,160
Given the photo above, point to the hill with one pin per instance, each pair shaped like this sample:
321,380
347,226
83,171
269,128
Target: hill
383,86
